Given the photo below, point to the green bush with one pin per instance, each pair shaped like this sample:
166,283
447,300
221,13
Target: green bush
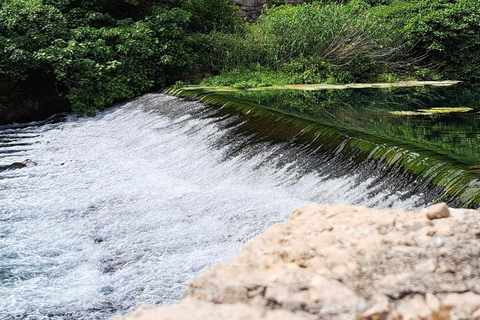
212,15
341,43
362,40
446,32
99,52
255,76
450,34
101,66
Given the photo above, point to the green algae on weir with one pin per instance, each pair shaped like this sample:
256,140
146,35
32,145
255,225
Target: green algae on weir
424,112
315,87
357,123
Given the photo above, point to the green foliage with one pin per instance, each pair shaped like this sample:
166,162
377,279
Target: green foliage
276,3
379,2
212,15
100,66
356,41
446,32
312,43
225,51
254,77
22,37
450,32
96,52
271,3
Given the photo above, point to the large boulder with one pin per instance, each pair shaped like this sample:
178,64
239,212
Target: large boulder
347,262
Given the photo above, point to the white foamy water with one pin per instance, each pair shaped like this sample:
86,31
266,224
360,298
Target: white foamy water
129,206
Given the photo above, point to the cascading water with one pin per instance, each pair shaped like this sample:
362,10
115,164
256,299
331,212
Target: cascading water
98,215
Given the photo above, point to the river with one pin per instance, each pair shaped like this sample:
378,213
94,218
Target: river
98,215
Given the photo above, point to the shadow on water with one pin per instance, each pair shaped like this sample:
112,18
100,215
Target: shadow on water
422,139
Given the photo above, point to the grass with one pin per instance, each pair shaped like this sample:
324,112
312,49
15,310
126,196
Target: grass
308,44
241,78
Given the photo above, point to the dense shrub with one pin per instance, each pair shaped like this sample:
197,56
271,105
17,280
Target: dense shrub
102,51
447,32
357,40
96,52
319,42
450,33
254,76
212,15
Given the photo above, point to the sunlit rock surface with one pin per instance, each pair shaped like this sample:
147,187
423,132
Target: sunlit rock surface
344,262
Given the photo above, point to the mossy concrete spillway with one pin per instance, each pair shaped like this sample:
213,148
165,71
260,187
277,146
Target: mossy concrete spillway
421,168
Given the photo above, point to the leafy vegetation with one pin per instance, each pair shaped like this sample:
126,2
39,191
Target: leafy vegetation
98,52
255,76
355,41
313,43
446,32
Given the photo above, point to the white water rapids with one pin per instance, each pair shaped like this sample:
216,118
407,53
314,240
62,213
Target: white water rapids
127,207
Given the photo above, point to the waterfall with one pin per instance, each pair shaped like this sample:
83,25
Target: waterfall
98,215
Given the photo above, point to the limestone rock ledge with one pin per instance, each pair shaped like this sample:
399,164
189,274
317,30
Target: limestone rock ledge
345,262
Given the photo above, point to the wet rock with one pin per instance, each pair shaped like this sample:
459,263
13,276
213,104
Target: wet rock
343,262
98,240
107,290
18,165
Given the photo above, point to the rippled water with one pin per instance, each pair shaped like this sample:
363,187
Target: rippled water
98,215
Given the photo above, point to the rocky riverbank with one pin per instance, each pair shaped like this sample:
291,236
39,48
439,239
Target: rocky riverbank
345,262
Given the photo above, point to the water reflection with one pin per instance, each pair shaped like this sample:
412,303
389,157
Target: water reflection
395,126
373,111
